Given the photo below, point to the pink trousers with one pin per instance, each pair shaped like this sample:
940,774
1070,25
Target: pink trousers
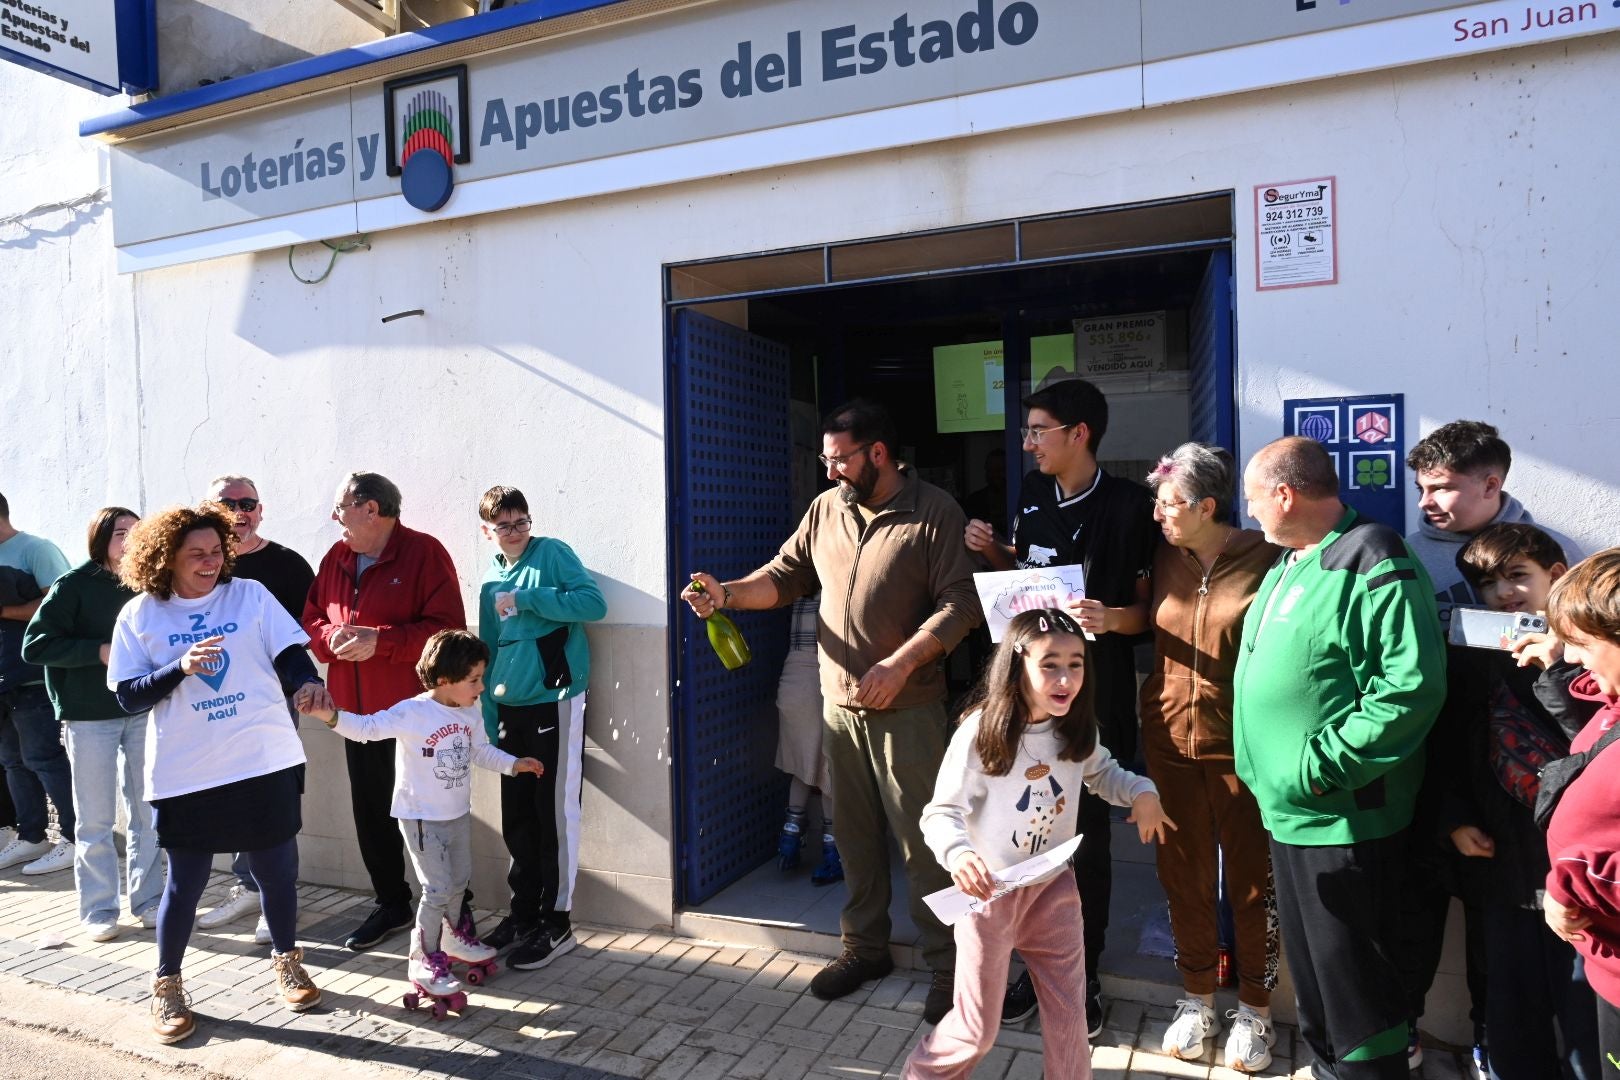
1043,923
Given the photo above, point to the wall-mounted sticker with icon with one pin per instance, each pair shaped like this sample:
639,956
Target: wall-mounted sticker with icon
1366,437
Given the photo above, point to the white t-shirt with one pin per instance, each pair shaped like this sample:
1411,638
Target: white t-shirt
214,728
435,749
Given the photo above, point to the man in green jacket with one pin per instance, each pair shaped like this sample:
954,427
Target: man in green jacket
1340,675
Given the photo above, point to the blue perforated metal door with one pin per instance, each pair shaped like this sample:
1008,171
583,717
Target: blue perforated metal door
1212,399
729,513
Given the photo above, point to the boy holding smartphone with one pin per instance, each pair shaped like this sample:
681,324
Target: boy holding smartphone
1522,717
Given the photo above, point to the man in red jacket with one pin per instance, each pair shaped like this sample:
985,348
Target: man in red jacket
381,592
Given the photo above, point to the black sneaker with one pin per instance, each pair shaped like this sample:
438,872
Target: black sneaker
1019,1004
508,930
1094,1010
846,974
383,921
540,948
941,995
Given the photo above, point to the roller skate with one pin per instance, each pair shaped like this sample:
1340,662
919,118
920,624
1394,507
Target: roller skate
831,868
432,984
460,944
789,842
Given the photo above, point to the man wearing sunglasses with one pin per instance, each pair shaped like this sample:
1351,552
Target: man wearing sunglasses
288,576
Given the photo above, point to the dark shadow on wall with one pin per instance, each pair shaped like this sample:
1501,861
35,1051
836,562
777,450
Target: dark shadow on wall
80,212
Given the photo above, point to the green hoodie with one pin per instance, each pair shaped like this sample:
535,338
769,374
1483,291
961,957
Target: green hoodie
1341,672
540,654
65,637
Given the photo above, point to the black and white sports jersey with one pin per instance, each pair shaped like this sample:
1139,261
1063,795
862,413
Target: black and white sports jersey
1109,530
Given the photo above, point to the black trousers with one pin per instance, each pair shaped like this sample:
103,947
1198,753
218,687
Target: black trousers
1338,906
1435,877
1542,995
540,814
371,796
1094,874
1608,1023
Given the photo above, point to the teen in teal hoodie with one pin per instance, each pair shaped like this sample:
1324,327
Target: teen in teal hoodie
1340,674
532,606
540,652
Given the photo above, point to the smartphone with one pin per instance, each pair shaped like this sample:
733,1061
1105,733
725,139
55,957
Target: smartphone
1482,628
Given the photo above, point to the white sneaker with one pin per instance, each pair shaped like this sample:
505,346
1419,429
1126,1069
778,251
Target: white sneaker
261,930
1248,1047
21,851
238,902
100,929
148,918
57,858
1193,1023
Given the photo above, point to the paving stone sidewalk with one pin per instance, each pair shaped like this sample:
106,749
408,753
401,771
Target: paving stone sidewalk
621,1004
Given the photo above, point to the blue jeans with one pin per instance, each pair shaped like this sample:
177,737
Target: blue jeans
95,747
35,763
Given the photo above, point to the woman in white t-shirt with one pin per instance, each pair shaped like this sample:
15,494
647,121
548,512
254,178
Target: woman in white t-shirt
213,658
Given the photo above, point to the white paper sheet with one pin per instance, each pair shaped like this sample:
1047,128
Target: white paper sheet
949,905
1005,593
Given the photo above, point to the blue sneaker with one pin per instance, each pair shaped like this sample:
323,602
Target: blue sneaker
1482,1062
788,845
831,868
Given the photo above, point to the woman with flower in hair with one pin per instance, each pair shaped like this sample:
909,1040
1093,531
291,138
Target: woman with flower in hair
1204,579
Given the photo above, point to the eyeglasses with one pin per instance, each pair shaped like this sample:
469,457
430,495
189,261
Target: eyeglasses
246,506
507,528
1034,435
1173,504
337,511
827,462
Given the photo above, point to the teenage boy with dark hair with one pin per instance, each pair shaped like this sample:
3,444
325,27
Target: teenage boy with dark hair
1460,470
1071,511
533,604
1519,719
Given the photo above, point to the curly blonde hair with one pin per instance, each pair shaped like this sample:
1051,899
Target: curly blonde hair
154,543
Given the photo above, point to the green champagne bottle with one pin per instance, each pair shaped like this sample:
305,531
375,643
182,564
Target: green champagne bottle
728,642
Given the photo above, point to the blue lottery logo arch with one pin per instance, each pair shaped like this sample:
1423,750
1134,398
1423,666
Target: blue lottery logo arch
429,134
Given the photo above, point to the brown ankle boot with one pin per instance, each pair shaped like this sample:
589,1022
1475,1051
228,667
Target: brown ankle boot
171,1011
297,989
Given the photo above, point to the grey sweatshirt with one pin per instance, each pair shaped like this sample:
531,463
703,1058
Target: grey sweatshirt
1437,550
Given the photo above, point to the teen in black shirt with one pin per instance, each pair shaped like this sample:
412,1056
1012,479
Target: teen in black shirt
1070,511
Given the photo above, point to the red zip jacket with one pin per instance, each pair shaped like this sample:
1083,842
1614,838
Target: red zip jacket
1583,846
409,594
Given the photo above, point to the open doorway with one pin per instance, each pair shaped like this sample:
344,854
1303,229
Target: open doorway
949,331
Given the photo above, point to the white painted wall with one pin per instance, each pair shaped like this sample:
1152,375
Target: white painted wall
1476,267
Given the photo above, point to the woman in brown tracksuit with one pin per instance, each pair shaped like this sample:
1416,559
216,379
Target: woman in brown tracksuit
1204,579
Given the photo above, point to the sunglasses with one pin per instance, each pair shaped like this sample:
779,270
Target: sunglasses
246,506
